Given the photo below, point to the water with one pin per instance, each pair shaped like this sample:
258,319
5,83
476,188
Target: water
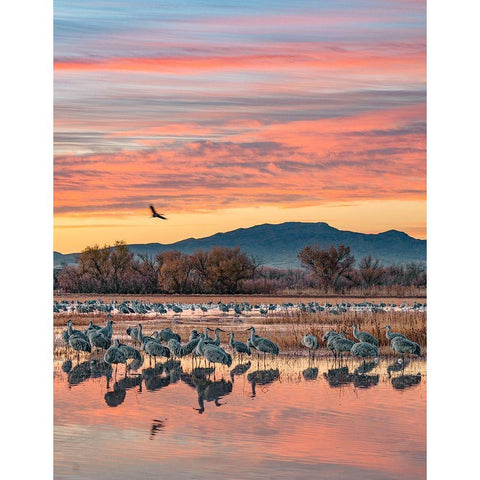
289,418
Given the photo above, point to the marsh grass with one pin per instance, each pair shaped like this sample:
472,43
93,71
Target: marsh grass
411,324
284,328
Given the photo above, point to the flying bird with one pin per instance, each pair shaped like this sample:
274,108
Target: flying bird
157,215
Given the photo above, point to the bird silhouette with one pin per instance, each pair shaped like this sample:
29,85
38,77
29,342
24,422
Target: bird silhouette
155,214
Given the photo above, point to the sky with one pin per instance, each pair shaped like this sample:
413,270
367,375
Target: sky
232,114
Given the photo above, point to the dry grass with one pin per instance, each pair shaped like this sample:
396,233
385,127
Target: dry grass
284,328
388,296
380,291
411,324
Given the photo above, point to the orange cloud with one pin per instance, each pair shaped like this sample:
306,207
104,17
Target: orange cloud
368,63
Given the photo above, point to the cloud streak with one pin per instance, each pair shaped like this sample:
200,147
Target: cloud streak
228,105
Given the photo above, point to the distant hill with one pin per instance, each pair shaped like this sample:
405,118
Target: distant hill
279,245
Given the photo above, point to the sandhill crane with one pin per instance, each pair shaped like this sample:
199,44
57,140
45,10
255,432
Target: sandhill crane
213,353
207,338
262,344
129,351
189,347
311,342
133,333
391,335
364,336
107,330
238,346
404,345
155,214
216,341
166,334
70,331
155,349
338,343
174,346
364,349
193,335
79,344
328,335
91,326
115,355
142,337
98,339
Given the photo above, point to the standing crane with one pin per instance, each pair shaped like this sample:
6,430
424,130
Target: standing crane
311,342
391,335
115,355
364,336
262,344
364,349
238,346
404,345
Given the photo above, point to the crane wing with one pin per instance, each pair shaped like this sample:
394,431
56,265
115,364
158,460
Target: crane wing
153,210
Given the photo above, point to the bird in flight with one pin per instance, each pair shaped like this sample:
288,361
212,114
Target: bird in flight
157,215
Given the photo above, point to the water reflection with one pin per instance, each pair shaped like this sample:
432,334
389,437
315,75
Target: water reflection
67,365
406,381
366,367
100,368
310,373
209,388
79,373
157,426
341,376
262,377
397,366
365,381
338,376
209,391
301,404
239,370
116,397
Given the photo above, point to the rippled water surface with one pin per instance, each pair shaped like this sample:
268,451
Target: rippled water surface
287,418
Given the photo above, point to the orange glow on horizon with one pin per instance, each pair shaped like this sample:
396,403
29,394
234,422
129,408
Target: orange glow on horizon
74,233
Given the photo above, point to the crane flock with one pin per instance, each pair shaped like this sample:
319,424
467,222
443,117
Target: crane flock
168,344
238,310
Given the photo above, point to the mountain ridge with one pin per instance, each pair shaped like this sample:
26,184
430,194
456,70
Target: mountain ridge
278,245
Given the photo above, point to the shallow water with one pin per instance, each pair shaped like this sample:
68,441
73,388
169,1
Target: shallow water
287,418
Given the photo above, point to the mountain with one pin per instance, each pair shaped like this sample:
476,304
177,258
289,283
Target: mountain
279,245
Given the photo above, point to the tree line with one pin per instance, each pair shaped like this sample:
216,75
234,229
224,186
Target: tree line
223,270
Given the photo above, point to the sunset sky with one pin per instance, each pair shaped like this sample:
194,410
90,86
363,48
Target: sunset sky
231,114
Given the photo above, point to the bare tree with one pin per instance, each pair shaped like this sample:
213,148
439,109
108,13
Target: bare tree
328,265
371,271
